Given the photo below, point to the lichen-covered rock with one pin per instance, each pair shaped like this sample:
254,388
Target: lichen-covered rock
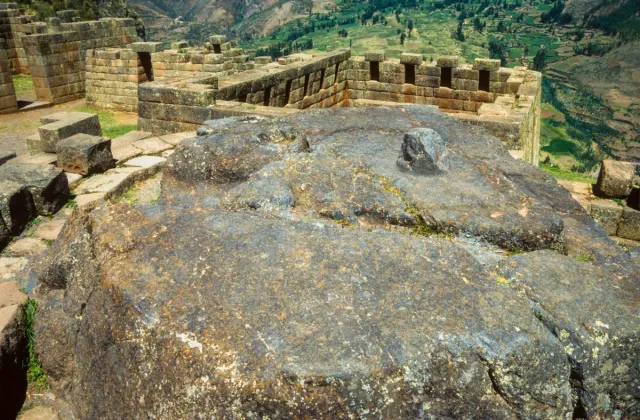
85,154
616,178
291,268
16,206
48,185
13,350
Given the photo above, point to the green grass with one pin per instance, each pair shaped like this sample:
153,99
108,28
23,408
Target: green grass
567,175
22,83
36,376
110,126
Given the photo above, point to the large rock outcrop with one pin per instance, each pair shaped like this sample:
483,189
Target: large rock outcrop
349,263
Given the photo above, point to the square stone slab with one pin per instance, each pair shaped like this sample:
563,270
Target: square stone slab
85,154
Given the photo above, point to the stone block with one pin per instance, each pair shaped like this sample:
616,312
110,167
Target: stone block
179,45
16,206
263,60
62,125
629,227
448,61
607,214
85,154
377,55
47,184
486,64
147,47
615,179
217,39
27,247
415,59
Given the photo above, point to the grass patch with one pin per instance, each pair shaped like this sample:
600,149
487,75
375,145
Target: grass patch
36,377
567,175
111,127
23,83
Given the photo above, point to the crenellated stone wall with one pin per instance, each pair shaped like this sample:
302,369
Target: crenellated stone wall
505,101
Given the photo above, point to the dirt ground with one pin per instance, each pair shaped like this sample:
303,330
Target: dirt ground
15,128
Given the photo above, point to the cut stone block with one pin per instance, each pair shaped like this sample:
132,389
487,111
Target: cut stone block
34,144
48,185
218,39
616,178
16,206
377,55
414,59
85,199
179,45
486,64
9,267
85,154
122,147
101,183
145,161
448,61
5,157
62,125
50,230
629,227
148,47
607,214
13,349
27,247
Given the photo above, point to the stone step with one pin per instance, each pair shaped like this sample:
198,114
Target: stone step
122,147
61,125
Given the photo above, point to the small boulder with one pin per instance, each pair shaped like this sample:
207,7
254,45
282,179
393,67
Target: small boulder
616,178
85,154
423,151
48,185
16,206
607,213
629,227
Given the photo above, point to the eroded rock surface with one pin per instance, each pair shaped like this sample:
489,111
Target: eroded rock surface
303,267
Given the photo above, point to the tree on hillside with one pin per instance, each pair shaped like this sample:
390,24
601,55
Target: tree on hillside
478,25
502,27
410,26
402,38
459,35
540,60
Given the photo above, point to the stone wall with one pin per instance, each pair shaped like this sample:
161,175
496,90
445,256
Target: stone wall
505,101
12,28
8,101
112,79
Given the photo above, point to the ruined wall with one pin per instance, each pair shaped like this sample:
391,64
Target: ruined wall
8,101
112,79
56,53
183,103
505,101
12,28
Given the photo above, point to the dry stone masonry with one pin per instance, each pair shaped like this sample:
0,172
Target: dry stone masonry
53,52
193,86
8,102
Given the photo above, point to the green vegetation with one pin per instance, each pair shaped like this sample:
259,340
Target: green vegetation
111,127
22,83
36,377
566,175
